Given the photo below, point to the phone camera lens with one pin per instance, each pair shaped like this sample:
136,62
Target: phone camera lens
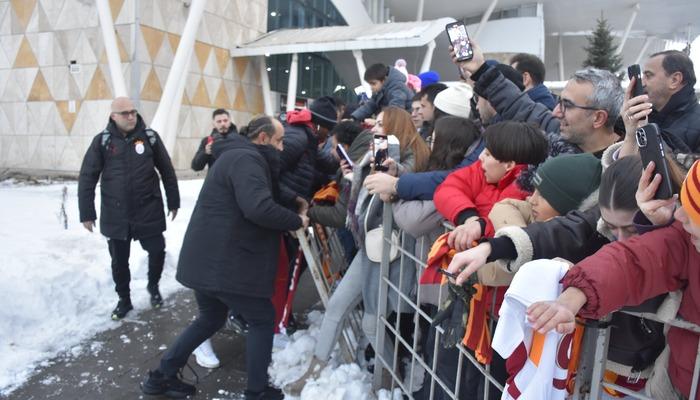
641,137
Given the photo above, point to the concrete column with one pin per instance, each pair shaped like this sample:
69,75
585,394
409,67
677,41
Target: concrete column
173,122
428,59
265,81
361,69
179,65
635,10
110,41
561,57
292,84
421,7
484,19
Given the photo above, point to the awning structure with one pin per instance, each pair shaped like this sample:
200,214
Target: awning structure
344,38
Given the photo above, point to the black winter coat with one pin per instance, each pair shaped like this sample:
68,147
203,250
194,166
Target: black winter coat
132,204
302,163
680,121
202,159
232,242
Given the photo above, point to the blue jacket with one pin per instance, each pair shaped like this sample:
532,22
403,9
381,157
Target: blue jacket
422,185
540,94
394,92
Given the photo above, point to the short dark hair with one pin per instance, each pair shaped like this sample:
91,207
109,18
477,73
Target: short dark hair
452,137
431,91
346,131
219,111
521,142
677,61
531,64
417,97
376,72
260,123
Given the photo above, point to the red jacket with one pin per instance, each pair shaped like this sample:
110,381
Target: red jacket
629,272
467,188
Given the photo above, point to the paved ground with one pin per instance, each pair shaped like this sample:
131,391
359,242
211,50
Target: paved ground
116,361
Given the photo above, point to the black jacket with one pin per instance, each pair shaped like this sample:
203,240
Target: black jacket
301,162
132,204
680,121
232,242
202,159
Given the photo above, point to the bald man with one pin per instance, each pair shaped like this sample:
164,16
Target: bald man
125,155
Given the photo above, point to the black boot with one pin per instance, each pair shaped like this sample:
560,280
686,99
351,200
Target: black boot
123,307
169,386
156,298
270,393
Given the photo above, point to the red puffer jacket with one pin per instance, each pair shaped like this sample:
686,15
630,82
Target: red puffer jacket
467,188
629,272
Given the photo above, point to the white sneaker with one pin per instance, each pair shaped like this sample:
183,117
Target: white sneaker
205,356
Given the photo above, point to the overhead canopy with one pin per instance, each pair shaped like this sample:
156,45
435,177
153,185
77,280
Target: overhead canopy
342,38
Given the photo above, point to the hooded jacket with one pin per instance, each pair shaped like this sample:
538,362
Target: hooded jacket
232,242
131,201
394,92
202,159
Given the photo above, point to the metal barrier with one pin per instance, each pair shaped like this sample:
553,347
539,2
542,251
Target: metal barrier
589,381
417,359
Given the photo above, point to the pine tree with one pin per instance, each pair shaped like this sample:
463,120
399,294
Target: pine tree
601,49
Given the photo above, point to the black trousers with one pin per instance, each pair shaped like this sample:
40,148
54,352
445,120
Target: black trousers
213,308
120,251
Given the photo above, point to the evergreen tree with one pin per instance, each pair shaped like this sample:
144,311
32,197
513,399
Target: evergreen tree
601,49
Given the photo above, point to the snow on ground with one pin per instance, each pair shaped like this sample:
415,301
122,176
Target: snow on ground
56,288
336,382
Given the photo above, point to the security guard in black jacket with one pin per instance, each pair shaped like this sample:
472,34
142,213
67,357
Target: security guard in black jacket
124,155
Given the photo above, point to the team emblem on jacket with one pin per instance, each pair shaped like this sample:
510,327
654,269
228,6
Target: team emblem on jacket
138,146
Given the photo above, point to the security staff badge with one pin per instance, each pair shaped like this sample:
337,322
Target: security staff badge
139,147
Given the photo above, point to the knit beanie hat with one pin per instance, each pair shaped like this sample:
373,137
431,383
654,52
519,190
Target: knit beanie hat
566,181
324,112
455,100
428,78
690,193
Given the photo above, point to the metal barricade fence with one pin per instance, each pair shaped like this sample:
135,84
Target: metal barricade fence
589,381
434,382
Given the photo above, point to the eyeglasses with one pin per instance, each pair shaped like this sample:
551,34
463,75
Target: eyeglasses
126,114
565,104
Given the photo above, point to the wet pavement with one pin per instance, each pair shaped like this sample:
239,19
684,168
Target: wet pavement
112,364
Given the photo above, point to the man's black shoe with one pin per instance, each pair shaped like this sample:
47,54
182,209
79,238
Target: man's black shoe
270,393
123,307
156,298
169,386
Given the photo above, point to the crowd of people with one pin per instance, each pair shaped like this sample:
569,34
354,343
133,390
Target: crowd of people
523,176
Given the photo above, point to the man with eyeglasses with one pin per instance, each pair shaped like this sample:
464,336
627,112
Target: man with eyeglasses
124,157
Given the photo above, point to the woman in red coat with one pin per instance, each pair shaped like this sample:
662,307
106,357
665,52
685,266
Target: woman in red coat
627,273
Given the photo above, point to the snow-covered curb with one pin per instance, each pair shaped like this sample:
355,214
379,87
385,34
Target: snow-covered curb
56,288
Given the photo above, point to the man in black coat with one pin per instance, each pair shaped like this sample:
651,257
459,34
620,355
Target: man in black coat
224,129
124,156
229,256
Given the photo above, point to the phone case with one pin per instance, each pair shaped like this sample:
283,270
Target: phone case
635,71
651,149
469,53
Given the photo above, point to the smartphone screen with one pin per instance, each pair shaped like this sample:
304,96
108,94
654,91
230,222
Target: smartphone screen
634,71
381,151
459,40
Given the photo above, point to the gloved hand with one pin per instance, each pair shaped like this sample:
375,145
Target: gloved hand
455,312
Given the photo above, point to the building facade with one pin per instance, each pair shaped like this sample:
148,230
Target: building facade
55,86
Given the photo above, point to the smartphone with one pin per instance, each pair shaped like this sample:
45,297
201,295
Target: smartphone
381,152
459,40
344,155
651,148
634,71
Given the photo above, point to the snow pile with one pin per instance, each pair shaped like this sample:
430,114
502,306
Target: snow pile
56,288
336,382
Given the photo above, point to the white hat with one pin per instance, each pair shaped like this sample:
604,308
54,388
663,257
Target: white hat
455,100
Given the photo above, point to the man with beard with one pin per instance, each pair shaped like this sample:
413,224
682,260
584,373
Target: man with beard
224,129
